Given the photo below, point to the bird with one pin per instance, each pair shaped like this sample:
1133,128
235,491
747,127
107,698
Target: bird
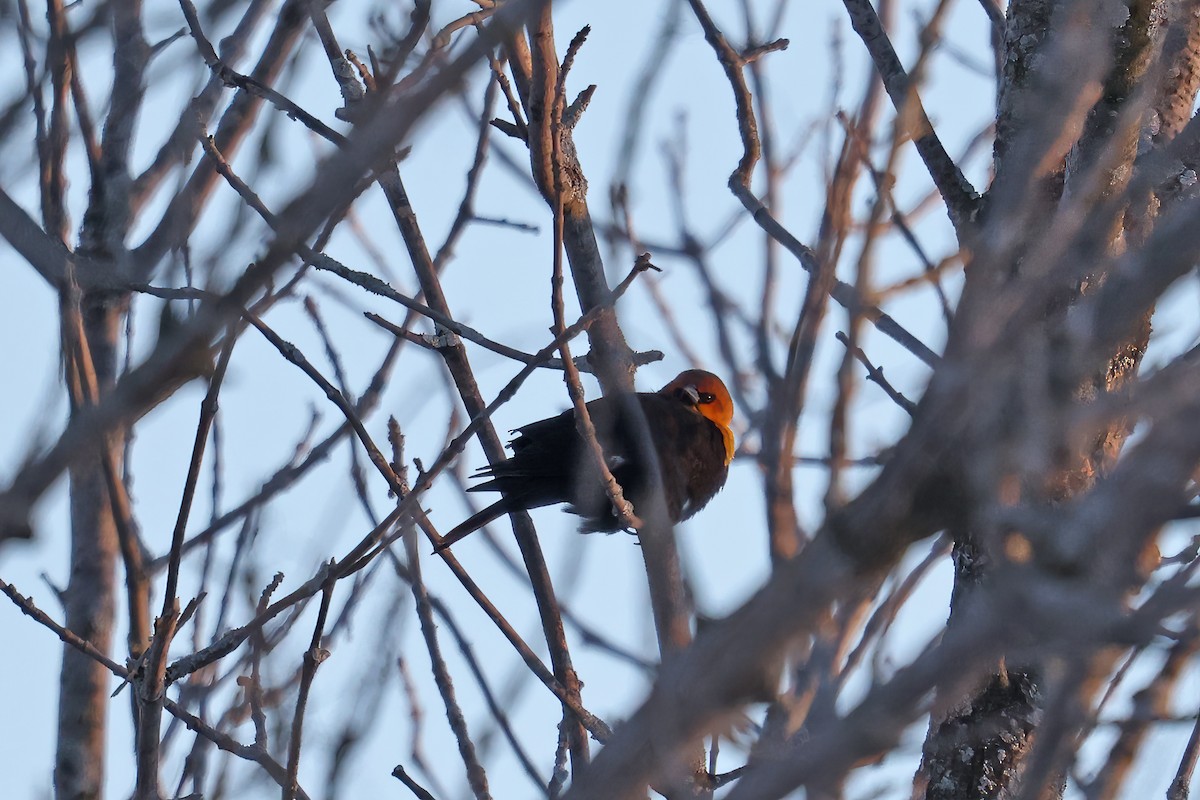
688,421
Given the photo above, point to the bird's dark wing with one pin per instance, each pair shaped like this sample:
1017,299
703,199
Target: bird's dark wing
690,451
538,474
550,464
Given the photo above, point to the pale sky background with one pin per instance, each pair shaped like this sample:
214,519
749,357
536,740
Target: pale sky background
499,284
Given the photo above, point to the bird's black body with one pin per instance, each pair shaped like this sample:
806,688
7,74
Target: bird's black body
551,464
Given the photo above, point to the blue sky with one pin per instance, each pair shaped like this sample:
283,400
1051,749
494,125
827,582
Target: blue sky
499,284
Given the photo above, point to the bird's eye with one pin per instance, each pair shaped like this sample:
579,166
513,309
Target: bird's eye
705,397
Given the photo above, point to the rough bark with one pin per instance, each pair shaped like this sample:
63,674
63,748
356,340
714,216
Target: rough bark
89,599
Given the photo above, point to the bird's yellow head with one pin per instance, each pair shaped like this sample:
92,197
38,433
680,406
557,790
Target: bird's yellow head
705,393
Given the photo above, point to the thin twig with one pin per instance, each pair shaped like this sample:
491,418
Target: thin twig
739,184
875,375
495,707
251,753
476,776
313,657
961,199
417,789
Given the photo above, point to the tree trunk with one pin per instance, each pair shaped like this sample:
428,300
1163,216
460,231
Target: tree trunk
84,685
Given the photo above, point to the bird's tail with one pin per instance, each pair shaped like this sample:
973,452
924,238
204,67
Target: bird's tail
475,522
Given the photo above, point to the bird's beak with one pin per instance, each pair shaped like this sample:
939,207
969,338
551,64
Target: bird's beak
692,394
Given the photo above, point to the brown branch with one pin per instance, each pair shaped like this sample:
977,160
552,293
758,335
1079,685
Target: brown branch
49,257
53,150
1150,704
370,544
436,342
67,637
494,704
82,379
176,147
466,207
476,776
858,545
151,687
376,286
961,199
739,184
583,421
339,373
334,183
353,91
181,216
292,354
419,791
252,753
459,367
875,375
1179,789
291,472
313,657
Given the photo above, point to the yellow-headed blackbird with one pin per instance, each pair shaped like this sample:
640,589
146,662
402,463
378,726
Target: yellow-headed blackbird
688,420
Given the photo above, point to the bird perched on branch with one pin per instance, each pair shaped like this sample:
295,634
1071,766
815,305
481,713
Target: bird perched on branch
688,422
